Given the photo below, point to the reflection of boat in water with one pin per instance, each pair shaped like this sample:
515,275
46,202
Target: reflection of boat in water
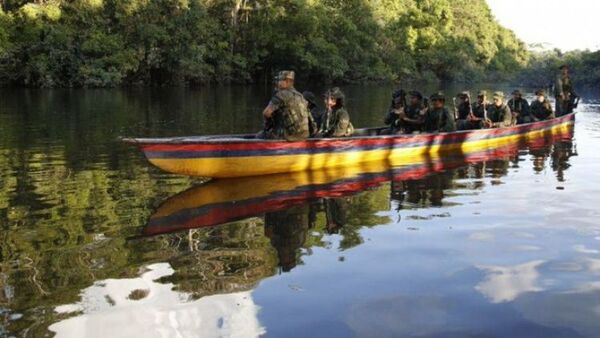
244,155
228,200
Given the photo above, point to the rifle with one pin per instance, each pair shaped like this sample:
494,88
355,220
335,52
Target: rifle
403,104
455,108
471,115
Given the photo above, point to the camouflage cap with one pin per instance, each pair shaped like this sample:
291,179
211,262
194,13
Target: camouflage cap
499,95
439,96
517,92
285,75
540,92
416,94
563,66
463,94
482,93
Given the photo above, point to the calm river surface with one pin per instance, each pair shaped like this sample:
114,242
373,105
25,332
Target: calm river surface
94,242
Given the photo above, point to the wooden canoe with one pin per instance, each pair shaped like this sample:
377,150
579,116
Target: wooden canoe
244,155
227,200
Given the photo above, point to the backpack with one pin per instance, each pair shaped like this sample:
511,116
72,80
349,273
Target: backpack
295,117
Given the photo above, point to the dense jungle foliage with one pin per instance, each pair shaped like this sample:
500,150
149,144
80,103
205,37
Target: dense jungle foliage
543,67
104,43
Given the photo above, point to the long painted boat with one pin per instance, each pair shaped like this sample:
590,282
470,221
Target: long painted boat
244,155
227,200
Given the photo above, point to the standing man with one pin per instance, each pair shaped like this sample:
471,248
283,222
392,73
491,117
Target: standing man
519,108
563,92
499,114
286,116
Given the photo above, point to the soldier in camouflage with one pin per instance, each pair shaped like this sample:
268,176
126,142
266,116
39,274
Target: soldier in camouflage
407,119
463,112
519,108
498,113
541,109
315,112
563,92
286,116
437,118
336,122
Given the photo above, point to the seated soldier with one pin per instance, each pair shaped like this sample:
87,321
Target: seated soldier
519,108
463,112
541,109
437,118
479,110
405,119
393,117
336,121
286,116
316,115
499,115
412,119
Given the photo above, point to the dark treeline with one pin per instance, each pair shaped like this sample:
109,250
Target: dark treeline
104,43
543,67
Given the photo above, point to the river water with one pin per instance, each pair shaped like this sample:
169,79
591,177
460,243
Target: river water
97,243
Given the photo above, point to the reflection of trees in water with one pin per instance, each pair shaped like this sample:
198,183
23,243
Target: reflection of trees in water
224,259
63,229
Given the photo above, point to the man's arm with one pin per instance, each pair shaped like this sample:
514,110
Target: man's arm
268,112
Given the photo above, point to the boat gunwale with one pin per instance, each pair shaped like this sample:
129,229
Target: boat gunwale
244,138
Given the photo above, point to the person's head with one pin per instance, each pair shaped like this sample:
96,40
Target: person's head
438,100
517,94
285,79
498,99
462,97
540,95
481,96
415,98
334,98
310,98
564,69
397,102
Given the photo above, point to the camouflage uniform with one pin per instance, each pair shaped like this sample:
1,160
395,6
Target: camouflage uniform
541,110
500,115
337,123
413,112
412,121
290,118
564,86
520,106
315,112
463,111
440,119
